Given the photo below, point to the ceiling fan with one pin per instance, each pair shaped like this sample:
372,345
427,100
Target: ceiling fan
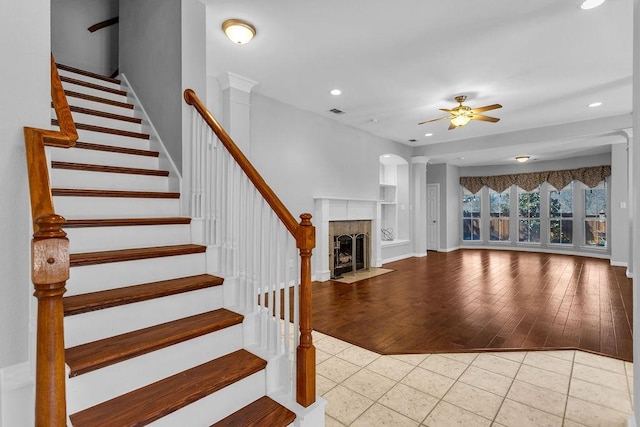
462,114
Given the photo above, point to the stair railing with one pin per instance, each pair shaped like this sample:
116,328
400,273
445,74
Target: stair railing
49,261
257,237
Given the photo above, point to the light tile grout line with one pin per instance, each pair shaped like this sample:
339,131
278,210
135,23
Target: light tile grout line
455,380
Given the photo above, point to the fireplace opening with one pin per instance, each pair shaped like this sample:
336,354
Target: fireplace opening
350,254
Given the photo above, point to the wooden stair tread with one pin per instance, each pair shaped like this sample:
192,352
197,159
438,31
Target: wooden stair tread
74,94
149,403
114,193
123,222
93,301
102,129
87,73
105,168
120,255
92,86
91,112
262,412
98,354
115,149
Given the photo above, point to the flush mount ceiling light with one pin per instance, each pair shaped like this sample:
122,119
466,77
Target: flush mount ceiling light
590,4
428,134
522,159
238,31
335,92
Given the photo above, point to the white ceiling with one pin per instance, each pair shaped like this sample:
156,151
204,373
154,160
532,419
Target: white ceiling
398,62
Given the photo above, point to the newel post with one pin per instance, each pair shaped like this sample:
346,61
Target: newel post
50,271
306,352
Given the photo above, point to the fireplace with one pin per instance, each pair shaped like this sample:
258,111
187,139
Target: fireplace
350,242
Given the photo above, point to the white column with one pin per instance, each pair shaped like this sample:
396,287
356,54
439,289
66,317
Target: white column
236,109
634,207
619,219
419,204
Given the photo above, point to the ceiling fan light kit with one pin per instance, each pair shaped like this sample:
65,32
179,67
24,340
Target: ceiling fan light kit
461,115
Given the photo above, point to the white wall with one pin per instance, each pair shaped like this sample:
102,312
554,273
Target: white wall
72,43
25,102
302,155
150,55
635,205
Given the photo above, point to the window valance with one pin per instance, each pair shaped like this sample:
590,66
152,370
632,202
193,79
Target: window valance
590,176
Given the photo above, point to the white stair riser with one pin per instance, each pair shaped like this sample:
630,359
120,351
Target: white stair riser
218,405
114,207
115,140
103,158
89,79
97,386
92,278
90,180
107,122
95,92
96,325
101,106
89,239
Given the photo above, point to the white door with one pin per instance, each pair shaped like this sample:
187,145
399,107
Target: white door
433,220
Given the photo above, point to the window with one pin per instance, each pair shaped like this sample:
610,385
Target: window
470,216
499,212
529,216
561,215
595,215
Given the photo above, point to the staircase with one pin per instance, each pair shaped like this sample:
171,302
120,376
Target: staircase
147,336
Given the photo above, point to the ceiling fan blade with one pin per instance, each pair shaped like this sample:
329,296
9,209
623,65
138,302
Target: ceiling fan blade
434,120
447,111
485,108
452,126
484,118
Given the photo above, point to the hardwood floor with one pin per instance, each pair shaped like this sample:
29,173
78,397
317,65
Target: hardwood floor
482,300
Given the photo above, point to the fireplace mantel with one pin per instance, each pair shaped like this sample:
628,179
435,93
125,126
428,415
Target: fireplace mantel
343,209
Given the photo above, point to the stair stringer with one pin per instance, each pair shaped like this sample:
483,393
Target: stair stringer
155,142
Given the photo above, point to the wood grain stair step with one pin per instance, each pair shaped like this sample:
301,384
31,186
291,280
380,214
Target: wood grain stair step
92,98
91,112
93,301
123,222
105,168
120,255
72,192
87,73
115,149
149,403
262,412
92,86
98,354
102,129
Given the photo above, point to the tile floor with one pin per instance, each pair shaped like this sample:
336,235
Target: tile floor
546,388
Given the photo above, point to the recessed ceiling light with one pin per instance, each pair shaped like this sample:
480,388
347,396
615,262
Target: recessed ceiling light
386,156
335,92
522,159
238,31
428,134
595,104
590,4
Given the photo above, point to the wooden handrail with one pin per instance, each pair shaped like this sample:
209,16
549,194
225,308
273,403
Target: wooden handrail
267,193
49,260
305,235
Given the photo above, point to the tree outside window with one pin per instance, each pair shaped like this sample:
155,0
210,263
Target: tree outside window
499,212
595,210
529,216
470,216
561,215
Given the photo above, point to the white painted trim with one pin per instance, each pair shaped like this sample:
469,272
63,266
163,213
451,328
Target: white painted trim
547,250
397,258
629,274
393,243
618,263
415,255
631,421
455,248
17,391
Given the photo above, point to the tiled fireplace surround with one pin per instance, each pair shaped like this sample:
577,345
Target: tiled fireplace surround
338,209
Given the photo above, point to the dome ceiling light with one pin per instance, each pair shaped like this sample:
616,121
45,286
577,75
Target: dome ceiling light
522,159
238,31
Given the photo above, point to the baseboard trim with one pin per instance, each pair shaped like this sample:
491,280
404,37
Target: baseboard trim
17,391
